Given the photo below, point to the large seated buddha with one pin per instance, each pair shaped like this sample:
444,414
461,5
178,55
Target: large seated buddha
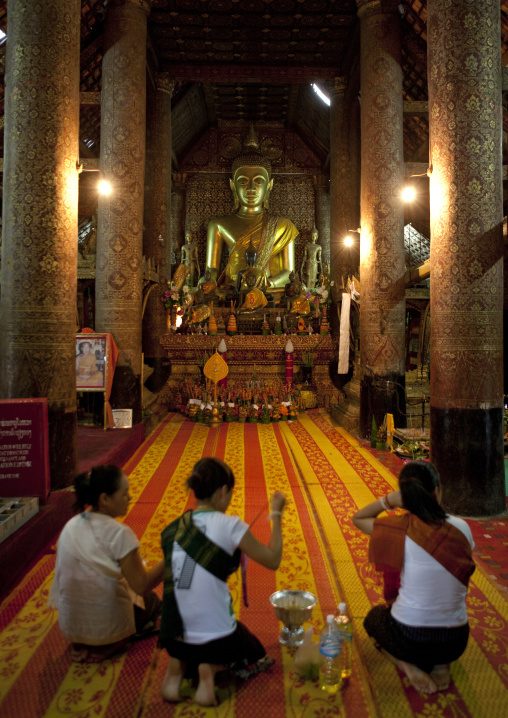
272,236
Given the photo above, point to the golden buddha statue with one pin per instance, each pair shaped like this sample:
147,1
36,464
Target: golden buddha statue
311,260
253,298
273,237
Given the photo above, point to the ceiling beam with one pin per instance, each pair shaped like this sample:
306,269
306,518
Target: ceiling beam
226,74
410,168
89,99
416,108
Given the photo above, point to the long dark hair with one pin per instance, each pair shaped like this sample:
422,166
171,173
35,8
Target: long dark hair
208,475
89,485
418,481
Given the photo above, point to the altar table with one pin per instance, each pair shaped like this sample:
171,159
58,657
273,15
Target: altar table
254,356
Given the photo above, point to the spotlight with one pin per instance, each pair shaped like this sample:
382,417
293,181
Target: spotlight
104,187
408,194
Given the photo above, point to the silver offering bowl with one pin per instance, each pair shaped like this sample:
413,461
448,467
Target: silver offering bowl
293,608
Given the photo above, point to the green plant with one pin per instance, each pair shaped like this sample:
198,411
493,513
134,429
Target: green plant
308,356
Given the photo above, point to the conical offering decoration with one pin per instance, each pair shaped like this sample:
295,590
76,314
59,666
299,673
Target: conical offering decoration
231,328
212,324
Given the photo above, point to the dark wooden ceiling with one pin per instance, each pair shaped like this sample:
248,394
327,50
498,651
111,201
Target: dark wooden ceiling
254,60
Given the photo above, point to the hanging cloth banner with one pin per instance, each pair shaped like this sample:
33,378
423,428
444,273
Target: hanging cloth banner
343,366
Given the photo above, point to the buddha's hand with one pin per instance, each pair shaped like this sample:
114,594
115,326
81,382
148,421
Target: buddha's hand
278,501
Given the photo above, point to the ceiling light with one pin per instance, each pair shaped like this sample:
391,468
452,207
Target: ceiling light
321,94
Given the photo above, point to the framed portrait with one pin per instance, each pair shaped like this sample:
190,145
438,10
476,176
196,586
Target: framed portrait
91,362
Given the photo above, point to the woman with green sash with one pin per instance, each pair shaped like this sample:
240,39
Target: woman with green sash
201,549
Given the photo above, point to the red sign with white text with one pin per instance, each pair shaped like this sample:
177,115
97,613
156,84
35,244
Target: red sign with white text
24,448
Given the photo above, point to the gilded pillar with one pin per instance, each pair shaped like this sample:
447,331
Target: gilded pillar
339,164
322,202
40,218
466,214
178,216
382,304
120,217
344,199
156,240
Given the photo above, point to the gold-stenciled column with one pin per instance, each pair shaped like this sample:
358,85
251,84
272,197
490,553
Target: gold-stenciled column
466,215
118,288
344,185
156,239
339,183
382,303
40,219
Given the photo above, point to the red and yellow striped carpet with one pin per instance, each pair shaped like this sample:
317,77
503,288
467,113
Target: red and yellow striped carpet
326,476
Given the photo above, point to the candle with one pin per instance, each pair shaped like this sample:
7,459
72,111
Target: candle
289,349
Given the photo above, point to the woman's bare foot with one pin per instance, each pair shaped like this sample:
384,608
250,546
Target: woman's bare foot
170,688
418,678
205,694
441,676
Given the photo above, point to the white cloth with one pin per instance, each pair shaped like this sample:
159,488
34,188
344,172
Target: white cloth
429,595
206,607
92,597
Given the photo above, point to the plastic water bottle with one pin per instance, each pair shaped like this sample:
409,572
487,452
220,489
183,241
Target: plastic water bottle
345,626
330,647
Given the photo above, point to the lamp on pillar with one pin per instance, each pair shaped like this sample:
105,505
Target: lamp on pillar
103,186
349,242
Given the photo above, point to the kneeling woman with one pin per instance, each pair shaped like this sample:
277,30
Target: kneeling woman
99,574
198,627
426,557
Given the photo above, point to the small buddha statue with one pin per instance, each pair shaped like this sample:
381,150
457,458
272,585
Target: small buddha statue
209,286
250,260
292,289
199,309
272,236
299,303
311,260
189,258
252,298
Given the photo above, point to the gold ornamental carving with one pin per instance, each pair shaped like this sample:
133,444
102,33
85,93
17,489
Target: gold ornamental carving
164,83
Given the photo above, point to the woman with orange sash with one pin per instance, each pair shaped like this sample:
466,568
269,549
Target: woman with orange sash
426,558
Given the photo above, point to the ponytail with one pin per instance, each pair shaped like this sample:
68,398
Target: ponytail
208,475
418,481
89,485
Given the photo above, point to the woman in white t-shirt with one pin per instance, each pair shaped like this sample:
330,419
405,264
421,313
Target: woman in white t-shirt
426,558
101,588
202,548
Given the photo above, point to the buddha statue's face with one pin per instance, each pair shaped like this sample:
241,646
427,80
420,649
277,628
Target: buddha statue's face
251,185
314,235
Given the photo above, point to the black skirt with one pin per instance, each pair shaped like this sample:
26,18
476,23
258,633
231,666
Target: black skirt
241,645
423,646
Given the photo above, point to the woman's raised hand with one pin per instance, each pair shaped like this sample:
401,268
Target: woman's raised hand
278,501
